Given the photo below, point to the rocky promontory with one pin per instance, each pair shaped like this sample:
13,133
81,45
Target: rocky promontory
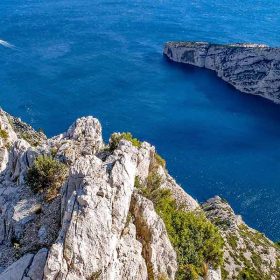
250,68
74,207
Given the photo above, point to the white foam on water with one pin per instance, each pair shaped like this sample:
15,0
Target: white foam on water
6,44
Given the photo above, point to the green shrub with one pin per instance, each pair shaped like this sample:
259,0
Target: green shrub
160,160
3,134
196,240
247,274
116,138
233,241
224,273
162,276
53,152
28,138
191,272
46,175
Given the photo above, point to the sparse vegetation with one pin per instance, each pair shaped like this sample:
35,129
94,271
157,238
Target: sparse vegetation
117,137
196,240
46,175
248,274
224,273
26,132
160,160
162,276
249,258
53,152
232,240
29,138
95,275
3,134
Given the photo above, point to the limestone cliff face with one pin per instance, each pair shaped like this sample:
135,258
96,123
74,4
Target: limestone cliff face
99,226
250,68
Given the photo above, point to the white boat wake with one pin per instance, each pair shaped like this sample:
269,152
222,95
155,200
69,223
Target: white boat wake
7,44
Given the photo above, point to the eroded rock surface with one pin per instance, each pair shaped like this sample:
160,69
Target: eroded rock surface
99,226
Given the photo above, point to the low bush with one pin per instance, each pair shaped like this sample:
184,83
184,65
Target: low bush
46,175
116,138
3,134
196,240
248,274
160,160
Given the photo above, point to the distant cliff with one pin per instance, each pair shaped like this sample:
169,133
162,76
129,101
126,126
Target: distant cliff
73,207
250,68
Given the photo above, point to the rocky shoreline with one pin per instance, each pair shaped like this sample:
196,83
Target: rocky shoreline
100,225
250,68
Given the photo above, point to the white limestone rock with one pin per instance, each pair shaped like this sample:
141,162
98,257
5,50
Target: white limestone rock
214,274
128,262
84,137
158,252
144,158
100,200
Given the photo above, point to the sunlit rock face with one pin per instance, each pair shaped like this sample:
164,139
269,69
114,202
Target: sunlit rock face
250,68
99,226
86,231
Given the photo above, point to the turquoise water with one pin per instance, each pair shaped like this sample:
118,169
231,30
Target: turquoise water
104,58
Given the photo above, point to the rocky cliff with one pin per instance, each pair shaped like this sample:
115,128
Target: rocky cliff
247,251
250,68
99,224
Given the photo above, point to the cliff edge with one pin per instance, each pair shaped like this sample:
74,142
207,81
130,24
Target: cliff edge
73,207
250,68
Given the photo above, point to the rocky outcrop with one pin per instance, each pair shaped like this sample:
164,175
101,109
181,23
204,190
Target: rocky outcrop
246,250
98,196
87,227
250,68
98,226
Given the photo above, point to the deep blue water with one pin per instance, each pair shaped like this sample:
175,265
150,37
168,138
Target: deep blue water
104,58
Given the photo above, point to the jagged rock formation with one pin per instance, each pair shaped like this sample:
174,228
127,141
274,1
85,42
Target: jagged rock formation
250,68
86,231
99,226
245,248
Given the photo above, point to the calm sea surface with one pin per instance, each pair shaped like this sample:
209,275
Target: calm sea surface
104,58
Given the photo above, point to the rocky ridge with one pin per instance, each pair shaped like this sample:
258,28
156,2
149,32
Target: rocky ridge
99,226
250,68
246,250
